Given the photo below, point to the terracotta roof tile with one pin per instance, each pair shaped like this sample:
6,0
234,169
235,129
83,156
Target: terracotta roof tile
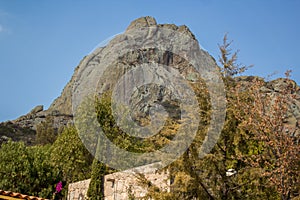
18,195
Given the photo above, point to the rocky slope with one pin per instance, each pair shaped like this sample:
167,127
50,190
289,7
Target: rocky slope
61,109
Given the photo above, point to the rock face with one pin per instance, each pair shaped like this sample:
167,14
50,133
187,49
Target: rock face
61,108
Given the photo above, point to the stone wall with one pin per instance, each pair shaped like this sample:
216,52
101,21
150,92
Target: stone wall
78,190
119,185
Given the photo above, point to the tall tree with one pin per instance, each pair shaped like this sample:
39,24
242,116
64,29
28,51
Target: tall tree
70,157
264,116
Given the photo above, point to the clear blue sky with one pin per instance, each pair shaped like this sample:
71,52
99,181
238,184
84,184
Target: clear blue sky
41,42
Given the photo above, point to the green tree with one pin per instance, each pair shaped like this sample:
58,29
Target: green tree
15,167
42,173
26,169
70,157
96,187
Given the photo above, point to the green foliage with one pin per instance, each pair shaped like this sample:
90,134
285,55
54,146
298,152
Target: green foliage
70,157
26,169
36,170
15,158
96,187
44,176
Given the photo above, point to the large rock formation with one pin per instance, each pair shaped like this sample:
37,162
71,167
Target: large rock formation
61,109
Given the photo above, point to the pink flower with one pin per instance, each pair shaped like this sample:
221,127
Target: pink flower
58,187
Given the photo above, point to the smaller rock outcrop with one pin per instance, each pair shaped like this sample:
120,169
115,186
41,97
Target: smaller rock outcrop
37,109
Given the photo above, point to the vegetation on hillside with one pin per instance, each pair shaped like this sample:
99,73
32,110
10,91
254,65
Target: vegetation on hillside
9,130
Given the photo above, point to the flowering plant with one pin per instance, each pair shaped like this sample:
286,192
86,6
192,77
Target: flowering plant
58,187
